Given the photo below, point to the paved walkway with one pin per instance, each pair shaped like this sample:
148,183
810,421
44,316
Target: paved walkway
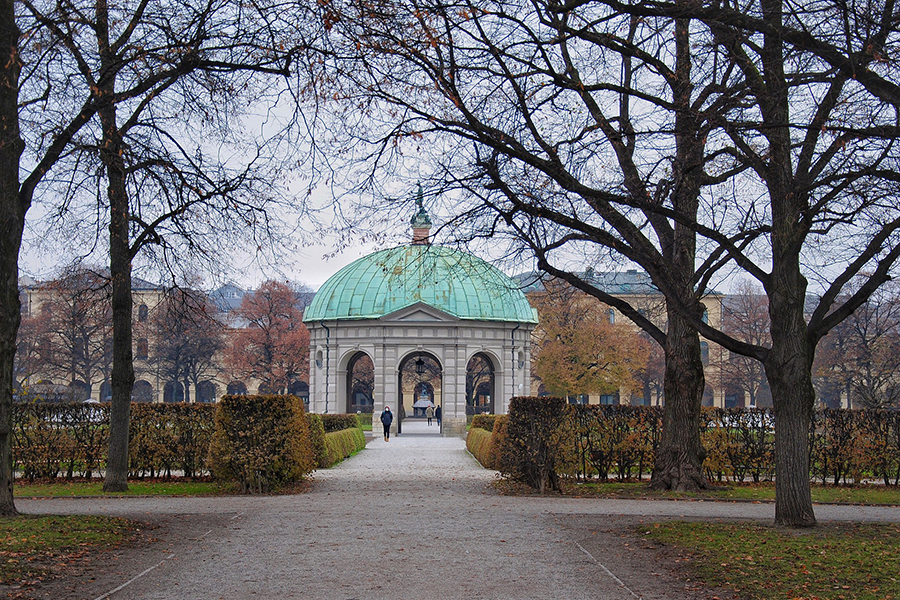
411,519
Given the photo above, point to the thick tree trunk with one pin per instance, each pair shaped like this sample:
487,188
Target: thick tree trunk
679,459
120,273
789,371
12,222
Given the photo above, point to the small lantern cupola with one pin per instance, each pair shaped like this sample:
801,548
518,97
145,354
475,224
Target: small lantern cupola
421,223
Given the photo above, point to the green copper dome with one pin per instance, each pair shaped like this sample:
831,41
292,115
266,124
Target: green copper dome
451,281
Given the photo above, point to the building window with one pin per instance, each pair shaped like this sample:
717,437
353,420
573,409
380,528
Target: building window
611,315
609,399
578,399
705,317
142,349
704,353
142,312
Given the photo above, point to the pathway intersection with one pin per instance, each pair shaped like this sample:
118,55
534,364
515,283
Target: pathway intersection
415,518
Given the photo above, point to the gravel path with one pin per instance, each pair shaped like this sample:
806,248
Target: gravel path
414,518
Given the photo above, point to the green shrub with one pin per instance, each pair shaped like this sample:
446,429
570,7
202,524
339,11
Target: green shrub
480,443
484,421
342,444
261,442
317,439
339,422
529,450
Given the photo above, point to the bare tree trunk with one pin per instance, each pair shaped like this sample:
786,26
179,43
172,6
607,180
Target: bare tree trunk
679,459
120,273
12,223
789,371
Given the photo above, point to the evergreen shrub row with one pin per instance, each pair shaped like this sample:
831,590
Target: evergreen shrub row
170,437
261,442
343,444
71,439
480,443
339,422
317,439
529,449
483,421
592,441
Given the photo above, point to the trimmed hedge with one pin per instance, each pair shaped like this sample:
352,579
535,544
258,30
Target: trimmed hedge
480,443
261,442
846,446
339,422
484,421
529,450
71,439
317,439
167,437
342,444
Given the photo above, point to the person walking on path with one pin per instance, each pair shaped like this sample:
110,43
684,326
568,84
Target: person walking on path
437,414
429,412
387,417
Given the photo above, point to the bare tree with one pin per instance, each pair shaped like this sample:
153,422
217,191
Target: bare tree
584,133
186,339
861,357
746,318
74,319
691,146
160,72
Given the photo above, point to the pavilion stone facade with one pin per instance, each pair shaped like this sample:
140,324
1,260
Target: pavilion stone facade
416,301
416,330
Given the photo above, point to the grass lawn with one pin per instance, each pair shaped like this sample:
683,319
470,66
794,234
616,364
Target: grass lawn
135,488
855,494
847,561
31,547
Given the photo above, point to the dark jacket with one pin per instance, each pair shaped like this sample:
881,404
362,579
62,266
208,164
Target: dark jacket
387,417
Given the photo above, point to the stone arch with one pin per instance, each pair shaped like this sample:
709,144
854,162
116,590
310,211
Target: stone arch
360,383
79,391
236,388
106,390
481,380
207,391
416,370
142,391
173,392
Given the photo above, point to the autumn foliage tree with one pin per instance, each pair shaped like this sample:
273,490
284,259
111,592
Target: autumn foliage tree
273,347
581,352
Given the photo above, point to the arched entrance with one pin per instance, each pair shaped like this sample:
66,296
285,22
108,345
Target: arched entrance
360,384
420,375
480,389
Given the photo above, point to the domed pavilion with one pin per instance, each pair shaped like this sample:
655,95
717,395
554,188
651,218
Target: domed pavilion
419,325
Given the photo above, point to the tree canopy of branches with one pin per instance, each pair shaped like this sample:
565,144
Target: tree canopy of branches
861,357
693,140
187,337
74,326
156,87
273,348
582,132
